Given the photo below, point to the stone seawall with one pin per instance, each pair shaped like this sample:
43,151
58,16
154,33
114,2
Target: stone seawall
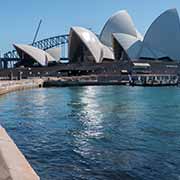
10,86
85,81
13,165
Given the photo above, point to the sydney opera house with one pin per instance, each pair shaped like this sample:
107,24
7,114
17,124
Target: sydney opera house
119,42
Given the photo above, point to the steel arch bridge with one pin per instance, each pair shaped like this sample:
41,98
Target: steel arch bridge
56,41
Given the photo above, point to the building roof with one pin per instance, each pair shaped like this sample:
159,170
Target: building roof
38,55
164,34
148,52
162,40
130,44
120,22
54,52
92,43
125,40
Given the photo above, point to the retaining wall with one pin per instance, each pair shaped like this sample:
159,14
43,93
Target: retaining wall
13,165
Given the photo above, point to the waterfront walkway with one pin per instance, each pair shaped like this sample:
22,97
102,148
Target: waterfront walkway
103,79
13,165
10,86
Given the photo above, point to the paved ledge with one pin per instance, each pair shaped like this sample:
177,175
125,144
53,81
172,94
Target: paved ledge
13,165
10,86
91,80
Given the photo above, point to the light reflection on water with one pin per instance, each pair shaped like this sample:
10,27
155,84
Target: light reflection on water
92,122
97,132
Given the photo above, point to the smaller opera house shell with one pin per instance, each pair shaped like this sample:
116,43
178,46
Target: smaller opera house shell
30,55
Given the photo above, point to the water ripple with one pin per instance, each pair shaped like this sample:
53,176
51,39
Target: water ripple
97,133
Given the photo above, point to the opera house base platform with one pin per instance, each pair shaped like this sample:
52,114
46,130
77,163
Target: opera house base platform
140,72
102,80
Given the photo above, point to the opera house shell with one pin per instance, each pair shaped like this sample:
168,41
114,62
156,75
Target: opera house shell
164,35
120,40
84,46
54,52
161,41
120,22
84,43
30,55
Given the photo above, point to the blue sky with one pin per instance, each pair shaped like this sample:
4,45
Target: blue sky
19,18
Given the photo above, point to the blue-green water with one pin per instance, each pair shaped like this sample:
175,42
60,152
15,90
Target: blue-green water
102,133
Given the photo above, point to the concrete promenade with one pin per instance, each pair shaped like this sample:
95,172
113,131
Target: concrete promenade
13,165
10,86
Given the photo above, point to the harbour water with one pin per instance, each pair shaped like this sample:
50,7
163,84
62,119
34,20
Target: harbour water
103,133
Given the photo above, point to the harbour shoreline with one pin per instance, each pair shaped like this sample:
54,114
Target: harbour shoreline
8,86
11,86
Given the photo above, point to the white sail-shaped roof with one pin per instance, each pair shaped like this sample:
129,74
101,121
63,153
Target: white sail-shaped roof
120,22
125,40
164,34
130,44
139,35
38,55
92,43
54,52
149,52
107,52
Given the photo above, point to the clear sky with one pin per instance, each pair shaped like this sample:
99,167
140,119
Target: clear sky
19,18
